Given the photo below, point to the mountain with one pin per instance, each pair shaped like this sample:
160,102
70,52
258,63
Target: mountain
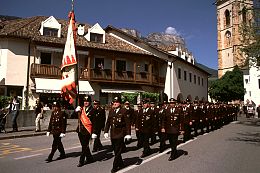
213,73
163,39
5,18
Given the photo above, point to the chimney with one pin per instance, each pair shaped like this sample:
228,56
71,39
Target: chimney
81,29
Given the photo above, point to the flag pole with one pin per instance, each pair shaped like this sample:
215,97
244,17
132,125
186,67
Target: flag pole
77,70
77,67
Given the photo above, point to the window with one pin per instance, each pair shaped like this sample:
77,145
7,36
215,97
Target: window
227,38
190,75
94,37
258,61
45,58
246,81
198,80
244,15
195,79
120,65
202,81
227,17
99,63
185,75
186,58
146,67
179,73
50,32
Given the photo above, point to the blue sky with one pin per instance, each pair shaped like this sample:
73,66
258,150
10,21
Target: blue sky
195,20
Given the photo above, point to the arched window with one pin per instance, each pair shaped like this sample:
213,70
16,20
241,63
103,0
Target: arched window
227,17
227,38
244,18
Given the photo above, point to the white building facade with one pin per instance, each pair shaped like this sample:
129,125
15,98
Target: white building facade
252,85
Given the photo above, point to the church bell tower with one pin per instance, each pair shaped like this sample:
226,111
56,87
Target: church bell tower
230,15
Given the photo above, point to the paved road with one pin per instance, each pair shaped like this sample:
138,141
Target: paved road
233,148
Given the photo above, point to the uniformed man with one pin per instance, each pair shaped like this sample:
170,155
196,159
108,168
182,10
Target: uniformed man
118,124
85,129
156,122
57,127
187,122
98,125
137,113
130,116
145,126
162,136
195,116
171,126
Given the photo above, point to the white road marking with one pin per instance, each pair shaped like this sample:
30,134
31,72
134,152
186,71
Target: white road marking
25,157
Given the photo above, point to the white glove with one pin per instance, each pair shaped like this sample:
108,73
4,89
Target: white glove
128,137
93,136
62,135
48,134
106,135
78,109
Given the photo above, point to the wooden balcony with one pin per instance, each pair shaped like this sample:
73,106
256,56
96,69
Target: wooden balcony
45,70
99,75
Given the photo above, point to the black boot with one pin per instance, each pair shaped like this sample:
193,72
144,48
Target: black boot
49,159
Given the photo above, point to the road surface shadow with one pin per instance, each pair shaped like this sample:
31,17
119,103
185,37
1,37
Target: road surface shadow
250,122
249,137
105,154
179,153
132,161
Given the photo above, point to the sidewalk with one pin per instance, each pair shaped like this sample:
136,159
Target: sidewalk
30,131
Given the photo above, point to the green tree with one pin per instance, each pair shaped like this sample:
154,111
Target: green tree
151,96
228,88
250,34
131,97
4,100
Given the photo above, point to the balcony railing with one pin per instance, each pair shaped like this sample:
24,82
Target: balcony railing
45,70
99,75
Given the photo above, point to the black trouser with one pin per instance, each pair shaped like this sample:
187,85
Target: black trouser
162,139
187,132
139,141
173,139
153,138
97,143
85,153
145,141
117,145
56,144
14,117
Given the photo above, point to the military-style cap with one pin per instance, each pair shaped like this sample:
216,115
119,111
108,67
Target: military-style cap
87,98
139,105
127,102
117,99
172,100
96,101
56,104
196,101
145,101
165,102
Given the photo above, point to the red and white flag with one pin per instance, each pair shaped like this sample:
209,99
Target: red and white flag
69,63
